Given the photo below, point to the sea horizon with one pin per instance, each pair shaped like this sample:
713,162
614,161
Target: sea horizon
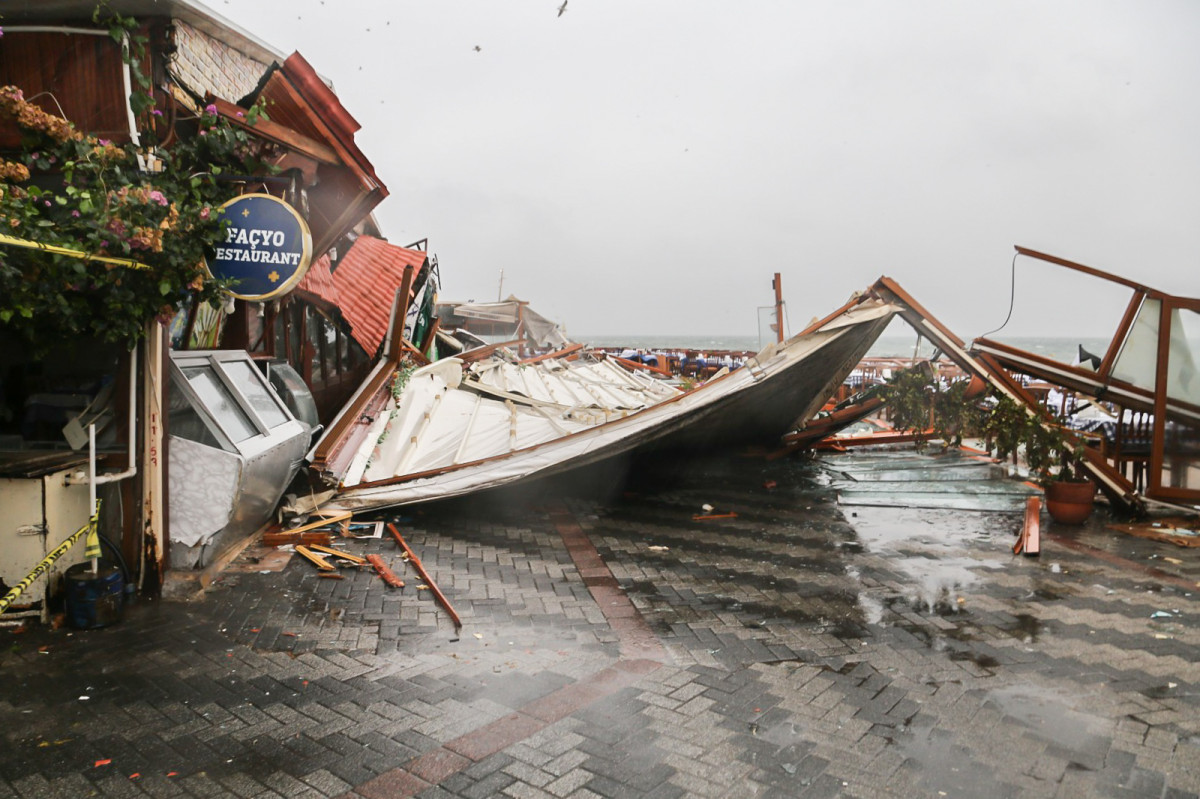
1061,348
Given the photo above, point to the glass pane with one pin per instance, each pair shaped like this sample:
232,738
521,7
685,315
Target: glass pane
254,325
1181,456
1183,376
316,332
280,335
220,403
186,422
343,353
295,352
1181,448
249,382
1138,358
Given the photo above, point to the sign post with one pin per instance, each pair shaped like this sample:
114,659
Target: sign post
266,250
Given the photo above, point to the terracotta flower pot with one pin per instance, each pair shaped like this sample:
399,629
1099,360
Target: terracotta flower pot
1070,501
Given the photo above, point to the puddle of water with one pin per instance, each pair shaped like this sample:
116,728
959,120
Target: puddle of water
939,553
1051,716
1026,628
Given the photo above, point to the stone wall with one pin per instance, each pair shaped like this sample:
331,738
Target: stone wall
204,64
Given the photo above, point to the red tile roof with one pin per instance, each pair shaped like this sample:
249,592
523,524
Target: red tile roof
366,280
318,281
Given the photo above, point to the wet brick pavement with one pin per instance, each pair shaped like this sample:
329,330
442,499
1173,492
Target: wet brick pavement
617,648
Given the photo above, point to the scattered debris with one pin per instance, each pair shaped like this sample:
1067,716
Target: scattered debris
364,530
382,569
707,517
1029,538
337,553
420,569
285,538
1178,531
315,559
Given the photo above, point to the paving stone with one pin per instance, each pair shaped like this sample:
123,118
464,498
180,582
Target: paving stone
784,653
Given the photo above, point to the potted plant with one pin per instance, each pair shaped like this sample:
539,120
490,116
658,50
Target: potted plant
1053,460
920,403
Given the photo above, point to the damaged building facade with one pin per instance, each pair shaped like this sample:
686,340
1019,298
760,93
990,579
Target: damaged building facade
199,426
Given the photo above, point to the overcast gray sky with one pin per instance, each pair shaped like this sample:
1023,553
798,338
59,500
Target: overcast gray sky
643,167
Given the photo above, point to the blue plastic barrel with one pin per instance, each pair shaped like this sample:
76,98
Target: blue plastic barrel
94,600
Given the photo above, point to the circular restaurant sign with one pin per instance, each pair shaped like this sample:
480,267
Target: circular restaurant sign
266,249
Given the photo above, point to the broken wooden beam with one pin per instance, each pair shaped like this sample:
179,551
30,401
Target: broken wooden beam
337,553
280,539
420,569
317,520
383,571
1029,539
314,558
710,516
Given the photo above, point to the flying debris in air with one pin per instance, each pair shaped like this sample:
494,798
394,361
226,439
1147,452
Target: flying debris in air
562,8
478,48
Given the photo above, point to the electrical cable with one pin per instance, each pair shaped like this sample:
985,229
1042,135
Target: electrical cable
1012,296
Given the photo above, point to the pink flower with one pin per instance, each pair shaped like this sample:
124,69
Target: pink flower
210,109
240,115
75,214
105,142
204,133
47,203
157,196
205,212
156,112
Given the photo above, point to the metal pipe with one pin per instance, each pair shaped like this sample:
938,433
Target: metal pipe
96,479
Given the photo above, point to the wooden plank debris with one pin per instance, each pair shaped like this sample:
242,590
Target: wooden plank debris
1180,531
337,553
1029,539
317,520
420,569
308,538
314,558
710,516
384,571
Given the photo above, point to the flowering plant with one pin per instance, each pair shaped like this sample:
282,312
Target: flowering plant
142,233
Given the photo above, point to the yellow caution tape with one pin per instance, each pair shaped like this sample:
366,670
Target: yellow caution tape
51,248
48,561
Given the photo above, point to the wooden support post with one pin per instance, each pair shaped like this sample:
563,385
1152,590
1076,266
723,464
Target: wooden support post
420,569
1029,539
395,344
430,336
777,284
